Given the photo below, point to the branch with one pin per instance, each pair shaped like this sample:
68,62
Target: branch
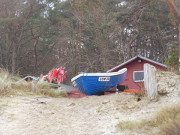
174,9
30,11
132,40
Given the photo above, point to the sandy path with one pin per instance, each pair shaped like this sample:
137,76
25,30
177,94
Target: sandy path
32,115
95,115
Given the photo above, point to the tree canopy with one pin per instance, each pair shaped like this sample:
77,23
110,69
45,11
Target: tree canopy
83,35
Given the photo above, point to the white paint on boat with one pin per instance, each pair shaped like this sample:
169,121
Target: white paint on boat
100,74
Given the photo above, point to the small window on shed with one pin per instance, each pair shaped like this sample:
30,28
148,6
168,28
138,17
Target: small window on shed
138,76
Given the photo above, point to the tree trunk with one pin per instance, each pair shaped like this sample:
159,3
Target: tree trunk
179,46
35,54
0,56
129,49
14,54
79,45
174,9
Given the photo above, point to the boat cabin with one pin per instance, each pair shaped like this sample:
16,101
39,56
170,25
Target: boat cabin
135,71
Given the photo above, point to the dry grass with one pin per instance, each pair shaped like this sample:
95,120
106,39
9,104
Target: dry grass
139,96
47,90
128,125
11,86
167,114
5,82
164,119
34,88
171,128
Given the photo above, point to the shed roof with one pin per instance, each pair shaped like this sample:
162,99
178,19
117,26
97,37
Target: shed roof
134,58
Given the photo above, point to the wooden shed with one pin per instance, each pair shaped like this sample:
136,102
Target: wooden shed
135,71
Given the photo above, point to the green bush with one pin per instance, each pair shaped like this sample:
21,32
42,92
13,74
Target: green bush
173,60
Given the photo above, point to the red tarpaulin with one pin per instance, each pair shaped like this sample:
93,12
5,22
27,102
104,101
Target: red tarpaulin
56,75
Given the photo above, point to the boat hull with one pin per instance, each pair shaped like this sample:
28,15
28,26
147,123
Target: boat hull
97,83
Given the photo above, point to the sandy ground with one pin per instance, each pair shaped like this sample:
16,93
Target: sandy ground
91,115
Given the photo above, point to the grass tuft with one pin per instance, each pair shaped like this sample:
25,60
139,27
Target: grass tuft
128,125
11,86
171,128
167,117
47,90
5,81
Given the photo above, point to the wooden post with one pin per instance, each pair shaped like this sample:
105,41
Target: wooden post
150,81
34,85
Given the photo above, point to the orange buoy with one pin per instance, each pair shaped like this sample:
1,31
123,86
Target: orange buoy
133,91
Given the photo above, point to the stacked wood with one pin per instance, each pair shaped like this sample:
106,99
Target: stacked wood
150,81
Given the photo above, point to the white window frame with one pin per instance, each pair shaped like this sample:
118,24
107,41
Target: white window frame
134,76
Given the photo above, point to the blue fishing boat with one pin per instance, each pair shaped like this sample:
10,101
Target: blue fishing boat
97,83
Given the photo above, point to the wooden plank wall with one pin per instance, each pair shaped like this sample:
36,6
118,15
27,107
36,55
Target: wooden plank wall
150,81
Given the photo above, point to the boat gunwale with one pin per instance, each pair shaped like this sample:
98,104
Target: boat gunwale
99,74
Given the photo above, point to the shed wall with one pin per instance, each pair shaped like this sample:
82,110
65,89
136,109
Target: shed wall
135,66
